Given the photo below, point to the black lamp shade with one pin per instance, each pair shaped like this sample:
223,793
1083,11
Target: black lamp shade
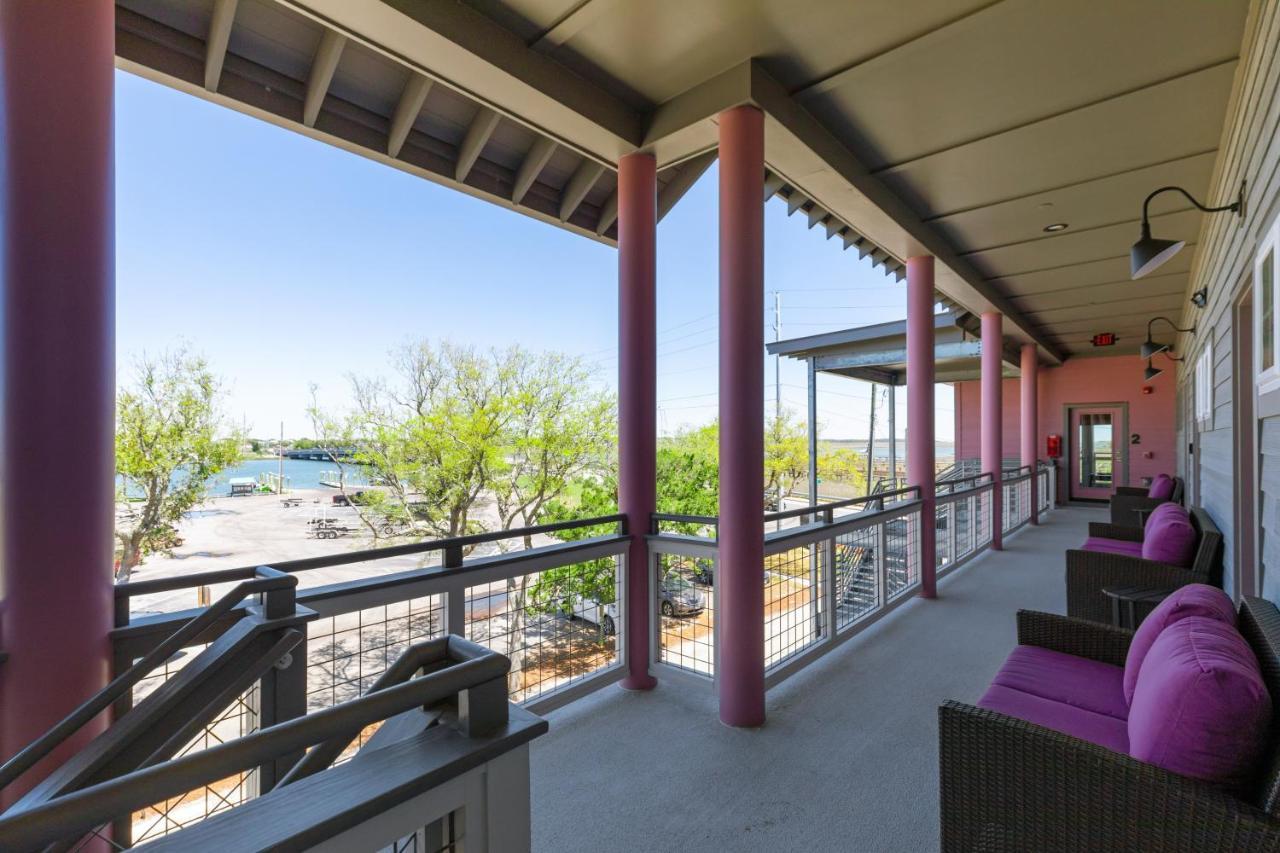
1149,253
1150,349
1151,373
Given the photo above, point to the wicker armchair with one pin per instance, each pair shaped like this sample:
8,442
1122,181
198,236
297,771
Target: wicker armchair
1010,785
1128,501
1089,572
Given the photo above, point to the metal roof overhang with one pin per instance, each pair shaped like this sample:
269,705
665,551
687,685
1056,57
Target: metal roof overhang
957,129
879,353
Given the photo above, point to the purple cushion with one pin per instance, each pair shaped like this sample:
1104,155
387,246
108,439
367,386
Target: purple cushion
1200,708
1084,683
1112,546
1161,488
1096,728
1195,599
1170,538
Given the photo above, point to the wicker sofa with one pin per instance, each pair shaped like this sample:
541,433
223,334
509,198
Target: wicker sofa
1089,572
1129,502
1010,785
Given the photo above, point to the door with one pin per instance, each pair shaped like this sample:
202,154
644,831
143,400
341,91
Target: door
1097,452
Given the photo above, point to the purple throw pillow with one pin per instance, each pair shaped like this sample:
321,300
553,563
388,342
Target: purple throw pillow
1170,538
1201,708
1161,511
1196,599
1161,488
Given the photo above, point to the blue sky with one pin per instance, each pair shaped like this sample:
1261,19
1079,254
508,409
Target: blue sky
286,261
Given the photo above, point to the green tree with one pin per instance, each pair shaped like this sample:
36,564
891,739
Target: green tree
786,455
845,466
167,447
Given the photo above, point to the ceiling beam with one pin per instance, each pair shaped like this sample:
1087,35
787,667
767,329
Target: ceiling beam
412,98
683,180
322,68
608,213
843,76
215,46
478,133
568,25
578,187
534,161
772,183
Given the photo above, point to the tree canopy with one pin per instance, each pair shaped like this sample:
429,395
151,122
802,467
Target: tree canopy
168,445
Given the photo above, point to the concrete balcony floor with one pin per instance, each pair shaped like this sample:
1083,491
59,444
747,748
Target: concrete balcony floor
848,759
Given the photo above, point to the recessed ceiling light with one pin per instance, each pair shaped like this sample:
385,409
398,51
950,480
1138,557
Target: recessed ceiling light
1057,226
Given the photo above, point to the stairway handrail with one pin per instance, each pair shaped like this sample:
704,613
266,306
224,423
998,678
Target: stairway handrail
80,811
268,580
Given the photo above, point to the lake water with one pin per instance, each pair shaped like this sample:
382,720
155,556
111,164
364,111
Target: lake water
299,473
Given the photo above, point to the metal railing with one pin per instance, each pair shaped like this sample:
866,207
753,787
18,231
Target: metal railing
557,611
309,807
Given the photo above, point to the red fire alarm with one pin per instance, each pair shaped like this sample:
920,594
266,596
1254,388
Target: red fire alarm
1147,389
1104,339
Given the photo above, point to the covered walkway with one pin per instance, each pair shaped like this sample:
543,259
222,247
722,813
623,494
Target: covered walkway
848,759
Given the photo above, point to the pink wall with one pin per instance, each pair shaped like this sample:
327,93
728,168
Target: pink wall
1117,379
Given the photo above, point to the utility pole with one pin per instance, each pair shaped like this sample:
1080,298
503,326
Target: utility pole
280,461
777,380
871,439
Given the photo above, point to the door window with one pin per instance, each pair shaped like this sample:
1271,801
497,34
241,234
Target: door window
1095,450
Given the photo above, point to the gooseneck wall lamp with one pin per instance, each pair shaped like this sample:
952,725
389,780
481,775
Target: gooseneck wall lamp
1151,348
1150,252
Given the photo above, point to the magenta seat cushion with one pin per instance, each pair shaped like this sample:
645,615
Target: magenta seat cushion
1096,728
1194,599
1170,538
1200,707
1161,488
1112,546
1084,683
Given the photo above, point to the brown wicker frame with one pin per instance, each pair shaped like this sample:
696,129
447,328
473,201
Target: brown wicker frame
1010,785
1089,572
1128,501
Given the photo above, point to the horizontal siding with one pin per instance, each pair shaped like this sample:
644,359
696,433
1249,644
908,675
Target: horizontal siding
1217,487
1269,536
1250,151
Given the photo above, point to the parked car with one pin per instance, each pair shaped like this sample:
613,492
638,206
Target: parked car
679,597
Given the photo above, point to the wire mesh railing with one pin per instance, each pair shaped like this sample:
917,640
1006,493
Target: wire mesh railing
556,611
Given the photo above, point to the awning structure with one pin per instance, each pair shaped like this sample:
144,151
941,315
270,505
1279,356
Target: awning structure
879,353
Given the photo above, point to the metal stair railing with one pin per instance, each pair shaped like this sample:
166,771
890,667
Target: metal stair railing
268,580
461,672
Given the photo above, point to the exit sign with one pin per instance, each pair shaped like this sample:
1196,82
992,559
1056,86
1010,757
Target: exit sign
1104,339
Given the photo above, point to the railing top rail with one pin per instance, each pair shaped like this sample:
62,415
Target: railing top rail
784,540
74,814
960,494
560,552
906,493
268,580
133,588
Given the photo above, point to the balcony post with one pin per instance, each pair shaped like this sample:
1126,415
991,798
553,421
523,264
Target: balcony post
921,467
1030,425
57,406
741,628
992,432
637,395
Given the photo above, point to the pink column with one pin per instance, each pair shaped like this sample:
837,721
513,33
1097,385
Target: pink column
921,468
1030,427
637,394
739,575
58,380
992,434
